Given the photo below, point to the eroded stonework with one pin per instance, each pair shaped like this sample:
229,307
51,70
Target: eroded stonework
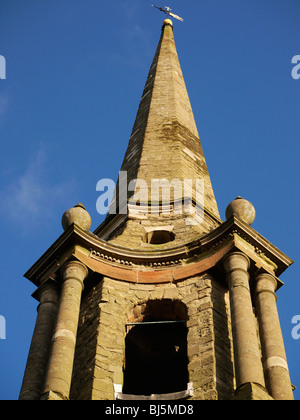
110,305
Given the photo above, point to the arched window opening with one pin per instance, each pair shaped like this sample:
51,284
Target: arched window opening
156,351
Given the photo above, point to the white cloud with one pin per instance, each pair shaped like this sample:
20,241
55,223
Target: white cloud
31,198
136,42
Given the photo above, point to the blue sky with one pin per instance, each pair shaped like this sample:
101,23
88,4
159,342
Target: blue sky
75,72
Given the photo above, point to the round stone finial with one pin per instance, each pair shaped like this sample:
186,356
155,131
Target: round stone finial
168,22
242,209
77,215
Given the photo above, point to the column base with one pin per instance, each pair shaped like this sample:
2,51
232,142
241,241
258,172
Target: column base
252,392
52,396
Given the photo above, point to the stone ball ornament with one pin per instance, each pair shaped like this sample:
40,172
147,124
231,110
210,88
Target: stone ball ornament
77,215
243,209
168,22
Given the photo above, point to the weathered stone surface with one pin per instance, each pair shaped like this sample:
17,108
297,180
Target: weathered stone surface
37,362
243,209
59,371
77,215
164,145
247,354
273,352
252,392
100,351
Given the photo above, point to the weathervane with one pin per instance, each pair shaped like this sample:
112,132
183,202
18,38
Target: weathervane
168,12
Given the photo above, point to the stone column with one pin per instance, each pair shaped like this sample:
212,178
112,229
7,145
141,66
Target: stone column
248,364
274,356
59,375
34,376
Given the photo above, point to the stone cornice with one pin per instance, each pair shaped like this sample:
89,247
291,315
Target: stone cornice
181,261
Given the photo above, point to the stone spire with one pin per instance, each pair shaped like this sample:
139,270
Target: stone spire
165,145
155,277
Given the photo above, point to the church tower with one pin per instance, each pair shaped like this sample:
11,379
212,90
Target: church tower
164,300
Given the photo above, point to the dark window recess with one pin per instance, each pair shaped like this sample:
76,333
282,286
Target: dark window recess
156,358
159,237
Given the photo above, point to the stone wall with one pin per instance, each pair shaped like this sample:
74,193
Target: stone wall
110,304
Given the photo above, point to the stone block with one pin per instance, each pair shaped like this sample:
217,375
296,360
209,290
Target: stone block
252,392
170,293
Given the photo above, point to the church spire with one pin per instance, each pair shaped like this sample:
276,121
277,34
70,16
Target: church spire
163,297
165,145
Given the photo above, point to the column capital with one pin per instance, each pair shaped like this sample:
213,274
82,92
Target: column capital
265,282
235,260
74,270
47,291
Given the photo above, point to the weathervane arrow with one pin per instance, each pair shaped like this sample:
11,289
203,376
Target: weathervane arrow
168,12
